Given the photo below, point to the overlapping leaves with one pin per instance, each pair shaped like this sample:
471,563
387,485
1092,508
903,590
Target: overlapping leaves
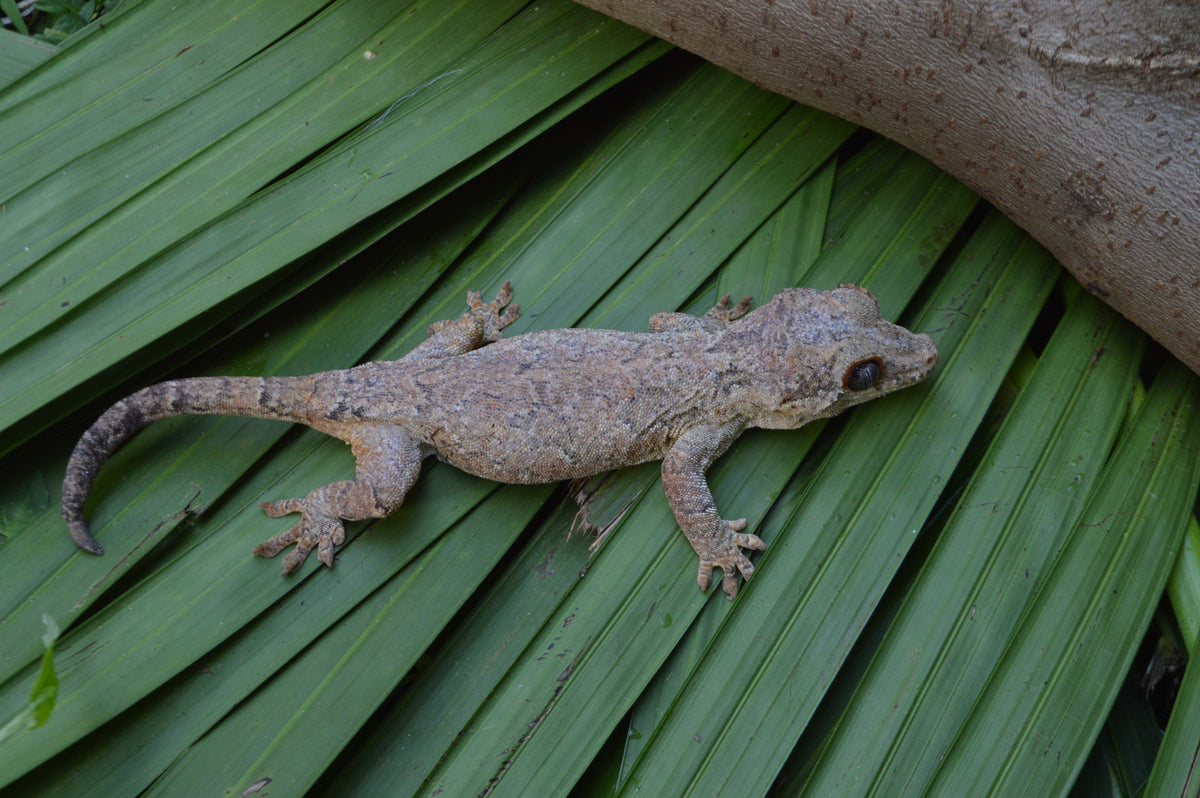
358,167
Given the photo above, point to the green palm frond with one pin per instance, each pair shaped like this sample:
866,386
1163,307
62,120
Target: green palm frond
957,578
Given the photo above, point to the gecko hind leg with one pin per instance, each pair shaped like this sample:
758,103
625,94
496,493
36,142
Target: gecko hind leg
389,462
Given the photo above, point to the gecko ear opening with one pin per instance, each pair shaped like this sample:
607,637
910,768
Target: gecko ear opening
863,375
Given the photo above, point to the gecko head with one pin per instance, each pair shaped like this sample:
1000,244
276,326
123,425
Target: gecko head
823,351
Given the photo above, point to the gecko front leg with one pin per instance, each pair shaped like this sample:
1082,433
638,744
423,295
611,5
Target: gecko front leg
480,325
717,542
715,320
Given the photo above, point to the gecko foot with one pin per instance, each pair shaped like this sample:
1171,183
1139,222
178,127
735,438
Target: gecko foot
493,320
316,529
730,559
480,325
723,314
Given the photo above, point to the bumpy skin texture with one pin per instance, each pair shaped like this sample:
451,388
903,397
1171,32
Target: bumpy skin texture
552,405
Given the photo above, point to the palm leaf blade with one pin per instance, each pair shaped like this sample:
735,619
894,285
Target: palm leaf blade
970,595
468,642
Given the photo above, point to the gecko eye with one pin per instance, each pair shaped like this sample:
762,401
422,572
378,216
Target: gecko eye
863,374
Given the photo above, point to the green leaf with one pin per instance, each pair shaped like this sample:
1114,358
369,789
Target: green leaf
1174,770
19,54
44,693
289,731
45,687
985,569
13,12
410,134
844,534
287,188
1184,586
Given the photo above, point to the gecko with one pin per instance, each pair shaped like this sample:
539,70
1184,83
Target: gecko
551,405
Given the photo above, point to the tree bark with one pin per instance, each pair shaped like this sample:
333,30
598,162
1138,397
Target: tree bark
1077,118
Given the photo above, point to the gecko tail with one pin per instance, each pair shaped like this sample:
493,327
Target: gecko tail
282,398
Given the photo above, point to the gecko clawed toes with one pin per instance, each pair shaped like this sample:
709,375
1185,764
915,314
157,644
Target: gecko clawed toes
739,310
749,541
723,315
497,314
314,531
728,556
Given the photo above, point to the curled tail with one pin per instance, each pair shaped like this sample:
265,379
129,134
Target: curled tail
283,398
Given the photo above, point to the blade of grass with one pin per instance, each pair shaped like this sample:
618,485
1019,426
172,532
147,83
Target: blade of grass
1123,757
1184,587
894,211
746,195
13,16
603,642
44,692
262,119
400,755
632,194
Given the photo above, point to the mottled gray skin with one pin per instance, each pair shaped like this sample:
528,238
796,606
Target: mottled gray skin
553,405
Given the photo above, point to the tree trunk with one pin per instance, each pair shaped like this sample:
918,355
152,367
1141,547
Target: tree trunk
1077,118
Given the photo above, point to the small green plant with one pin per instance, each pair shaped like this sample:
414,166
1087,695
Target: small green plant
44,693
51,20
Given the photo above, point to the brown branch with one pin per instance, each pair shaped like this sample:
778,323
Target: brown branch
1079,119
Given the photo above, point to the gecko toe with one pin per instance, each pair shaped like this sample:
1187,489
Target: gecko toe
505,296
325,551
282,507
296,558
730,568
494,316
749,542
272,547
729,584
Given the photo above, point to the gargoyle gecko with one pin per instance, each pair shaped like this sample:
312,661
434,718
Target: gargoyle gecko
552,405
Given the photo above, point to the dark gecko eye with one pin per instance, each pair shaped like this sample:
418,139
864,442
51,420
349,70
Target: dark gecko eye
863,374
